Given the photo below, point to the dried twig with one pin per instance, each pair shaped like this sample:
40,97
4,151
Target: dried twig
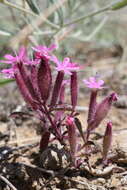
102,173
8,151
22,142
81,182
57,174
49,172
8,182
69,108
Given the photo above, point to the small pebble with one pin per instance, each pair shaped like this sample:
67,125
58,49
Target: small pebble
124,180
101,180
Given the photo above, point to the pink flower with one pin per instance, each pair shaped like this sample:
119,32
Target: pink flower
67,66
92,82
21,57
43,51
9,73
69,121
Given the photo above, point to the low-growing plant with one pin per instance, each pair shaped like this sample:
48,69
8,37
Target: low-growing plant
46,97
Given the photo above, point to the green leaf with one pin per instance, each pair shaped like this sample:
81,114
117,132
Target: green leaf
33,5
119,5
4,33
59,12
71,4
5,81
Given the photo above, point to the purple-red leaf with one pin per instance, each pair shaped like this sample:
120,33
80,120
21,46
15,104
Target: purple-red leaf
25,73
107,140
79,127
24,90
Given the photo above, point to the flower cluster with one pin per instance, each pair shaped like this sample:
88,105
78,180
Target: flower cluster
46,97
39,90
98,111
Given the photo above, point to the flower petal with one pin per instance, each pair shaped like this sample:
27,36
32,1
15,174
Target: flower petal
9,57
92,82
52,47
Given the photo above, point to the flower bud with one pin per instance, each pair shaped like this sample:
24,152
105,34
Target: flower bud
57,88
72,137
102,111
44,79
74,89
92,106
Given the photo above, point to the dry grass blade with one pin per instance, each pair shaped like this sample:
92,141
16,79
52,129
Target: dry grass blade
7,182
105,172
33,5
63,33
81,182
21,142
49,172
28,12
28,29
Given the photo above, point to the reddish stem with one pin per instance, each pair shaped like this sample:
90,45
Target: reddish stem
58,136
44,140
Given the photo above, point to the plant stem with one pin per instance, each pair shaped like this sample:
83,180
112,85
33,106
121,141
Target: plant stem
52,123
87,16
30,12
